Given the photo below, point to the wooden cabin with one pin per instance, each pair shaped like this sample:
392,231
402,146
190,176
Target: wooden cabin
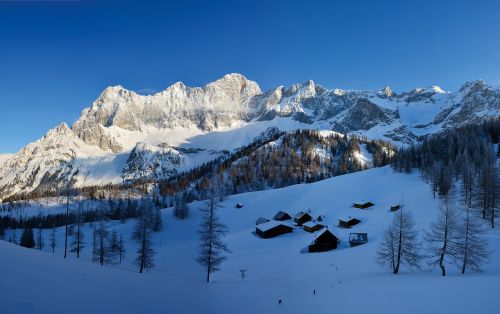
281,216
312,226
239,205
395,208
261,220
272,229
348,222
362,205
356,239
301,218
324,241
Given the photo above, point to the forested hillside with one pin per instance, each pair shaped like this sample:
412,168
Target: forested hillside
465,161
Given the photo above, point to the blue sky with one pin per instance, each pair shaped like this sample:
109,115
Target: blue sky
56,57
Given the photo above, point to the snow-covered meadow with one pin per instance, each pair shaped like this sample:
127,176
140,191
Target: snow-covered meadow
345,280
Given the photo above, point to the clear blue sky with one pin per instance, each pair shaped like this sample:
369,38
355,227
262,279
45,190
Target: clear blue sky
56,57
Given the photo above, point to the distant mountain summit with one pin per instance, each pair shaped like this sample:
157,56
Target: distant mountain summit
124,135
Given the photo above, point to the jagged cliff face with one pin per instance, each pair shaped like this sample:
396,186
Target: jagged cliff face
150,161
216,105
125,136
42,161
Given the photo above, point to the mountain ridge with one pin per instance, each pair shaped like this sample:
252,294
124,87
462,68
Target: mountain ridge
122,132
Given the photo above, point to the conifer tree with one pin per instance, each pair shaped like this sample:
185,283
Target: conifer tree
212,248
39,238
27,238
102,237
53,239
473,251
142,236
78,244
95,251
114,247
121,249
157,220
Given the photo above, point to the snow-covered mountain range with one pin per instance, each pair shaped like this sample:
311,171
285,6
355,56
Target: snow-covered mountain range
124,135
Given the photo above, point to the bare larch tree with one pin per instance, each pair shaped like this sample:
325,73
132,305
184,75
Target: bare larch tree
443,238
400,243
212,248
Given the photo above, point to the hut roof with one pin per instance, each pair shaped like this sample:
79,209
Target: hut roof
347,218
364,203
323,232
311,224
301,214
270,225
281,215
261,220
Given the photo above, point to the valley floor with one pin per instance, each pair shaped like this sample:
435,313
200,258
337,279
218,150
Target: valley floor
346,280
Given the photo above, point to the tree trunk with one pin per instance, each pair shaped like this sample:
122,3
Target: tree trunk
209,263
492,205
101,243
400,241
445,244
67,218
466,242
143,249
78,240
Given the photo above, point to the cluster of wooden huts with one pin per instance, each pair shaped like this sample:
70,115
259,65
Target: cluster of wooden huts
324,240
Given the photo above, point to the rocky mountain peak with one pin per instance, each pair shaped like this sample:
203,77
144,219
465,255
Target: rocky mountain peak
473,86
60,130
387,91
122,124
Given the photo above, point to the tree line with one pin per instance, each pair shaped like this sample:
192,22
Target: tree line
461,169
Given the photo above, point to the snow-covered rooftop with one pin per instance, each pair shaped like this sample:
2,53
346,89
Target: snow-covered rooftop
311,224
347,218
271,224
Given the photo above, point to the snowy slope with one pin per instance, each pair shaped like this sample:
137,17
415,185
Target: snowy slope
200,122
346,280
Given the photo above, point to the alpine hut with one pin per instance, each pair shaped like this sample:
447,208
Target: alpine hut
362,205
301,217
324,241
272,229
395,208
312,226
348,222
281,216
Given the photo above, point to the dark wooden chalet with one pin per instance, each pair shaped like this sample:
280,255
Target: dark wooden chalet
362,205
348,222
324,241
272,229
356,239
281,216
301,218
395,208
239,205
312,226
